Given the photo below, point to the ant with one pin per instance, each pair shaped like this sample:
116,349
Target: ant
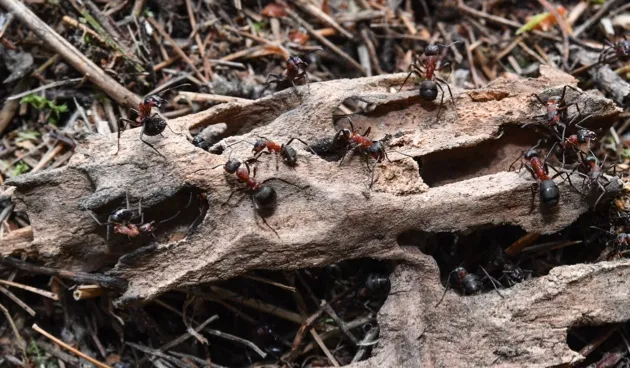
620,243
497,261
426,71
121,221
592,174
621,49
152,125
352,140
264,197
376,282
549,191
295,70
288,153
467,283
556,107
572,142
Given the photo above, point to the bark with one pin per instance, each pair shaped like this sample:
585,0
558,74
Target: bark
463,184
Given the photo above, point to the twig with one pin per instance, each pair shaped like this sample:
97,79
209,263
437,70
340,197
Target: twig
479,14
564,28
17,301
270,282
158,353
49,156
75,23
367,341
336,331
177,49
592,20
589,348
258,305
45,87
138,5
322,346
324,41
70,348
88,291
196,359
41,292
206,97
11,107
79,277
342,325
71,55
193,26
319,14
227,336
19,338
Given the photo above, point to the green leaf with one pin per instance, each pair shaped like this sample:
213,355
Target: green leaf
625,153
27,135
36,101
20,168
598,2
536,19
258,26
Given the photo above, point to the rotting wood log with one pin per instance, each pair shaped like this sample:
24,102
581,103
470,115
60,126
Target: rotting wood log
458,181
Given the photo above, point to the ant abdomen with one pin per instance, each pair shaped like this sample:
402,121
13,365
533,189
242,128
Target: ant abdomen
122,215
154,126
549,192
428,90
265,198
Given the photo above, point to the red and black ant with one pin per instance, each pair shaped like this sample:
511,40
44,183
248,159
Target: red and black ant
295,70
152,125
426,71
468,283
288,153
571,143
556,107
593,175
352,140
621,242
621,49
264,197
121,219
548,189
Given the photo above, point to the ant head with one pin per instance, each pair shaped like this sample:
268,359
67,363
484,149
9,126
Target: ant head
549,192
198,141
232,165
531,154
293,61
147,228
289,155
428,90
265,198
553,100
259,145
431,50
154,101
584,135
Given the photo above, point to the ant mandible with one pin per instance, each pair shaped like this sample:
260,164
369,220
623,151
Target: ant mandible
548,189
295,70
152,125
426,71
352,140
621,49
264,197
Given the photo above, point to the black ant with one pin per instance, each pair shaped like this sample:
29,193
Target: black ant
264,197
621,49
288,153
468,283
152,125
121,221
511,273
376,282
295,70
549,191
556,107
426,71
352,140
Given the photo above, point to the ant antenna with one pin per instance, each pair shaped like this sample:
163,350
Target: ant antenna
606,231
312,51
449,45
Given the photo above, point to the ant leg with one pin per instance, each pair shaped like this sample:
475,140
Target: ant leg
448,285
304,143
604,51
231,194
411,71
372,173
350,148
550,151
124,127
450,69
149,144
262,218
268,82
276,161
169,128
512,165
286,182
448,87
533,189
540,100
367,131
492,280
437,116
